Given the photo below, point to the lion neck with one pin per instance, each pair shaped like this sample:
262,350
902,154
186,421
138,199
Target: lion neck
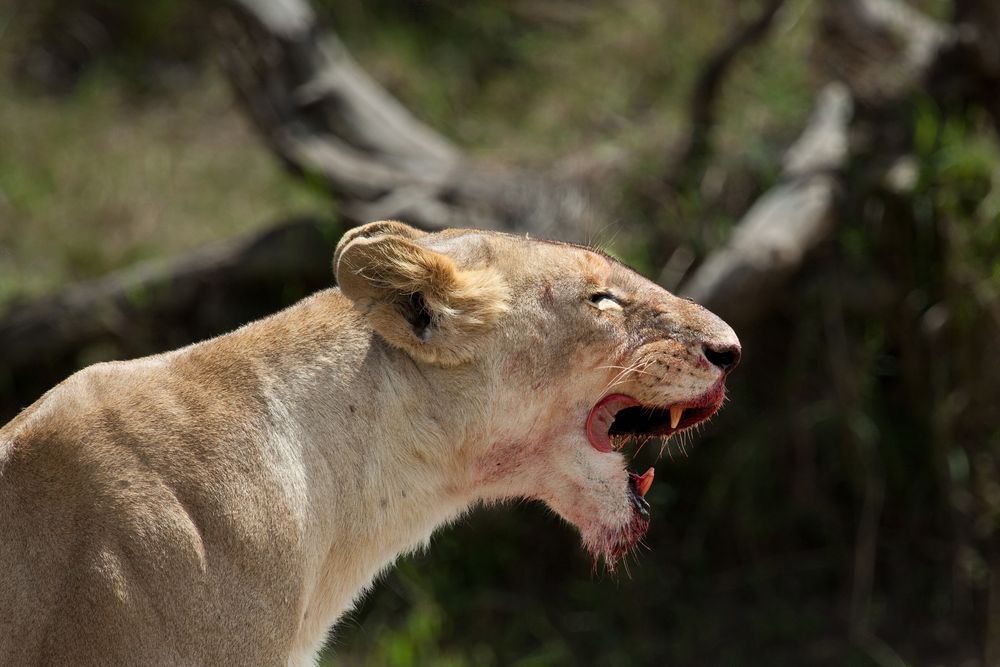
381,458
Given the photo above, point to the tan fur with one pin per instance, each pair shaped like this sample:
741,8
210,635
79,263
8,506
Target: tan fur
225,503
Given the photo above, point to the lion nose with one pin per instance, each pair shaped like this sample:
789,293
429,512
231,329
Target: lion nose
725,357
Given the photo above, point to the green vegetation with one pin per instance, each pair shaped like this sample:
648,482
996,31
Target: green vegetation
97,180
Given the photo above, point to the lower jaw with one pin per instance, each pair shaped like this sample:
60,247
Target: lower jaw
611,544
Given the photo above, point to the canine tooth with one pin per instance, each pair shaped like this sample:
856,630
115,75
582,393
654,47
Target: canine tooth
675,416
644,481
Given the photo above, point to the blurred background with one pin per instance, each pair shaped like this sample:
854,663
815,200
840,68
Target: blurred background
823,174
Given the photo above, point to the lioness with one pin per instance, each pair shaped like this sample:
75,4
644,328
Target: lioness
226,502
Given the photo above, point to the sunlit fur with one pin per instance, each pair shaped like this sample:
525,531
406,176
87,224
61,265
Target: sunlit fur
227,502
378,274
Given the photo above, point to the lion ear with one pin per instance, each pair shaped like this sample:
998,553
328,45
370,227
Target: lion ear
372,230
416,299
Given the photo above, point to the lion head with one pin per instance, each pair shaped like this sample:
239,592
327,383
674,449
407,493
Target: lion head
542,359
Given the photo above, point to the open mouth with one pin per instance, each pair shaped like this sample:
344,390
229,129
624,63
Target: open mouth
617,418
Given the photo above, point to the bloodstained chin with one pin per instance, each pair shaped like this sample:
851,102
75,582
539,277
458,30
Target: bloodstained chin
613,544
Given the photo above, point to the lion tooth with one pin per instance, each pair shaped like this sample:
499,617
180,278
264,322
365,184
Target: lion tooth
644,481
675,416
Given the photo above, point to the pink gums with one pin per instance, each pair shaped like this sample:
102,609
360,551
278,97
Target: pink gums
600,418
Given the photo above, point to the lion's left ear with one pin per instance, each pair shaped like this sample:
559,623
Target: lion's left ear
417,299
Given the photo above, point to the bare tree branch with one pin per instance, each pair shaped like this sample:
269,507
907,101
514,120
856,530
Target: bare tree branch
705,94
786,223
882,50
324,116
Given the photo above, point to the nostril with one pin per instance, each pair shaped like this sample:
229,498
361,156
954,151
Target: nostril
725,357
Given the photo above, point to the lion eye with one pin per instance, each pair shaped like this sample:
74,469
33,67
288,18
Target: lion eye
605,301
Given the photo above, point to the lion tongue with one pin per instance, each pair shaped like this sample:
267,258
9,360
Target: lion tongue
644,481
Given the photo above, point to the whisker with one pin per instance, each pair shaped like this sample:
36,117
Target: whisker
639,367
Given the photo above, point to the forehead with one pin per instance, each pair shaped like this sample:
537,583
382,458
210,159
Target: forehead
479,248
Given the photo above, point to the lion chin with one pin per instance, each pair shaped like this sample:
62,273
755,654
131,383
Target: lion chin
609,545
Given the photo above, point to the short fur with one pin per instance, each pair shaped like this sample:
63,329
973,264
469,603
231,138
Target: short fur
226,502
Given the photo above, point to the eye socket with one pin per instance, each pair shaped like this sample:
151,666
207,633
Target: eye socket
605,301
597,297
